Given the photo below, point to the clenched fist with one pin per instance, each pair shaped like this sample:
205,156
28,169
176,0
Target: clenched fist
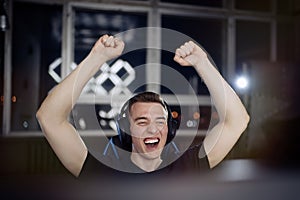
108,47
189,54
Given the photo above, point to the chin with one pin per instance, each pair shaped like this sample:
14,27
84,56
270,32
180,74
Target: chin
153,154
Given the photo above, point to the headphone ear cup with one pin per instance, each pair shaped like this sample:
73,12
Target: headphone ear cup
173,125
123,129
124,124
172,128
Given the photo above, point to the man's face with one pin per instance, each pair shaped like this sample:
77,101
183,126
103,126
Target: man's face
148,127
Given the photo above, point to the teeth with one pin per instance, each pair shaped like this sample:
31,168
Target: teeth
151,141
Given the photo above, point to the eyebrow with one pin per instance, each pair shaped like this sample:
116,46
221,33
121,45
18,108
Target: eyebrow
145,118
140,118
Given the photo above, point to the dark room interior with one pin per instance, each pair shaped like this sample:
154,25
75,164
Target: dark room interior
42,41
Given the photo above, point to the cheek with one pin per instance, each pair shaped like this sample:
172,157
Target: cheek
135,141
165,132
136,131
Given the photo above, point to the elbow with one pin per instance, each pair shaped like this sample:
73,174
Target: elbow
246,121
38,114
241,123
41,116
241,120
44,120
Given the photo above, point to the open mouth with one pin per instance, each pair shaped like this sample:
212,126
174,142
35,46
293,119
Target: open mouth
151,142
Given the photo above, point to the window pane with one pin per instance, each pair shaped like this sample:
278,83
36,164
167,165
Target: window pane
91,24
36,44
209,3
252,42
253,5
285,45
207,32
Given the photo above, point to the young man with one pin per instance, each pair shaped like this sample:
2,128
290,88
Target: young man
145,126
147,120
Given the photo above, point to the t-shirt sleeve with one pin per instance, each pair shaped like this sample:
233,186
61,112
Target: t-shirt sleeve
92,167
197,163
88,165
190,162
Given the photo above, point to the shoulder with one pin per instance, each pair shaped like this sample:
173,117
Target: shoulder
196,157
93,166
107,166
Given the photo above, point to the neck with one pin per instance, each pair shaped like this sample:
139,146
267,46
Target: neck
144,163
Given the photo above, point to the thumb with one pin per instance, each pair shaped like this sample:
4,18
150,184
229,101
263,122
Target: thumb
104,38
119,44
181,61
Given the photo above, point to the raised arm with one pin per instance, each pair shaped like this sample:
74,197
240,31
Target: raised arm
54,111
233,117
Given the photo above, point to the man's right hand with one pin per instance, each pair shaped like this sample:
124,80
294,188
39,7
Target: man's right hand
107,47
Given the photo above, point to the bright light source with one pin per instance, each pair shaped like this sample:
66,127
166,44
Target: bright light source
242,82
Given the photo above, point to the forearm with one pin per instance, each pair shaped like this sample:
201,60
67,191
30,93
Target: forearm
233,117
226,101
54,111
59,103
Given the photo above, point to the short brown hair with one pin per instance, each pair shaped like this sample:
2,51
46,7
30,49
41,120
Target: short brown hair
146,97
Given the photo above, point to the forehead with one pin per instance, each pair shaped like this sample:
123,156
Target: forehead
144,108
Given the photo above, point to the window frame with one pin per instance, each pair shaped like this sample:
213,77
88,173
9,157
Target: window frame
154,9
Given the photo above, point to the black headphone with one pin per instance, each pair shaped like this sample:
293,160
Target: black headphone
123,126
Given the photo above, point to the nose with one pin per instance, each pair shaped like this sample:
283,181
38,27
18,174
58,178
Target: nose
152,128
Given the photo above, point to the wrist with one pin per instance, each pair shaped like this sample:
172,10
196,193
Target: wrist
96,57
92,63
201,62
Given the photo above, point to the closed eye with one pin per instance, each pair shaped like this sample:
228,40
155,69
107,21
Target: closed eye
142,123
161,122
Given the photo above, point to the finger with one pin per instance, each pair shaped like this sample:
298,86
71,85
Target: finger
110,42
119,45
199,49
180,52
103,38
190,46
180,60
116,41
191,43
119,42
177,53
185,49
176,57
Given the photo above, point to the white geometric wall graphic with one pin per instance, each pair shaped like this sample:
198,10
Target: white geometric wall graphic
96,84
111,73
